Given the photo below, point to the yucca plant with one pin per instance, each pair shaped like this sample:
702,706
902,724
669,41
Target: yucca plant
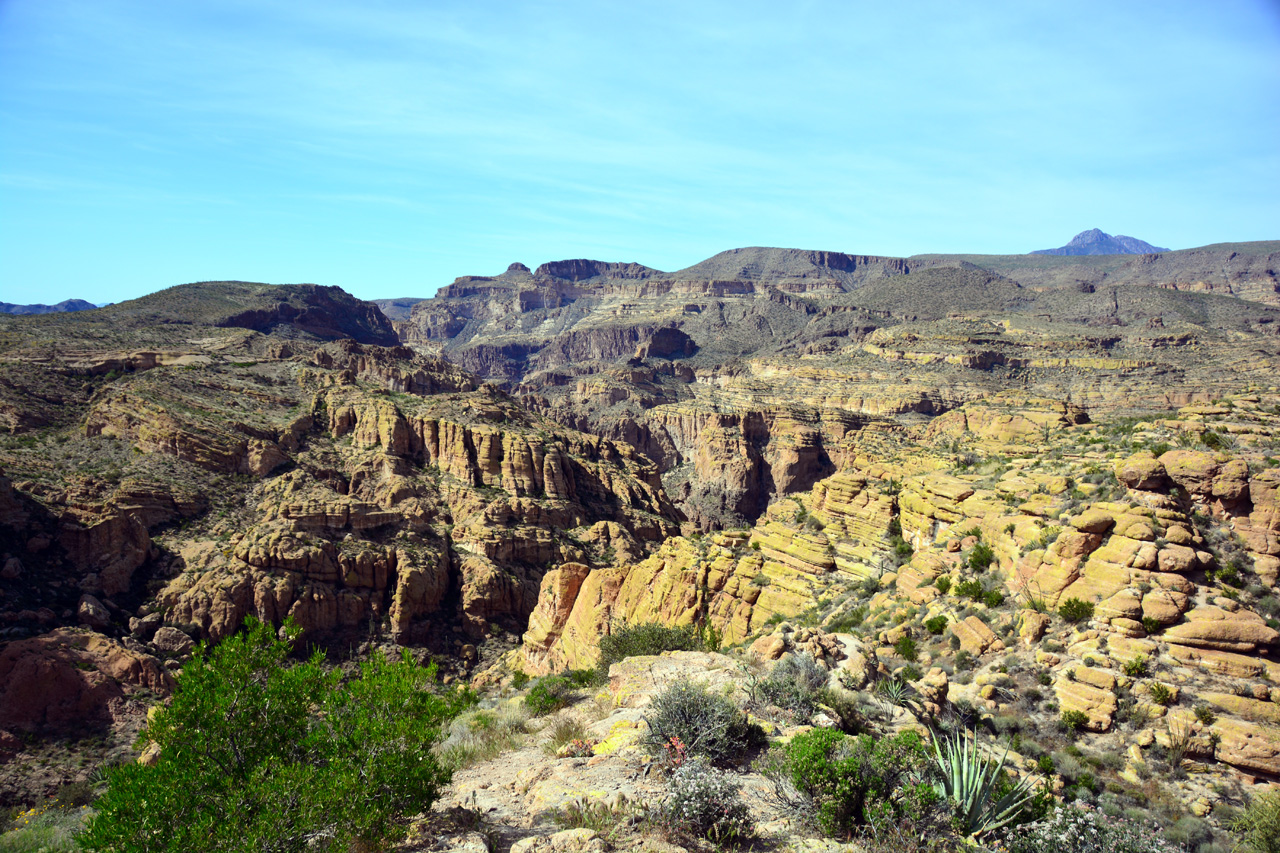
971,782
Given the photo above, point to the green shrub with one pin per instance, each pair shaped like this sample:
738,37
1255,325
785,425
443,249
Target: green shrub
981,556
993,598
905,648
1075,610
519,679
1152,625
943,584
1074,721
1136,667
971,589
701,722
1161,694
1204,713
1258,827
795,685
707,802
910,672
1045,764
964,660
846,782
936,625
648,638
260,754
550,693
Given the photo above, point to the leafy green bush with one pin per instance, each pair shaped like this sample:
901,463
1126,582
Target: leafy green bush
972,589
256,753
1161,694
943,584
993,598
1136,667
1204,713
550,693
1152,625
648,638
1075,610
701,722
981,556
936,625
1074,721
707,802
847,782
905,648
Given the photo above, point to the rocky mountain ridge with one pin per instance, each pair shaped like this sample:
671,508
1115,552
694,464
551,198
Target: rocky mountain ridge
741,374
1098,242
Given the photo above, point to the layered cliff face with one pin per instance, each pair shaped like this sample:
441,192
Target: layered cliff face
982,526
741,376
358,489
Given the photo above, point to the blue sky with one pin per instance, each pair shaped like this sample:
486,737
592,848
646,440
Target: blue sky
388,147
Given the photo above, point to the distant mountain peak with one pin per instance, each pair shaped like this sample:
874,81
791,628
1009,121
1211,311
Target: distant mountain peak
1098,242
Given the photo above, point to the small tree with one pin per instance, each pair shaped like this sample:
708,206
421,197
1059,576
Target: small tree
257,754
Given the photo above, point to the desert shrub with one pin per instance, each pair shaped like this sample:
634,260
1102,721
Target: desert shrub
1136,667
795,685
647,638
981,556
1152,625
845,782
936,625
905,648
565,731
483,733
910,672
972,589
943,584
703,723
1189,832
707,802
1045,764
1161,694
1075,610
45,829
993,598
1074,721
1080,829
257,753
1258,827
847,621
1204,713
550,693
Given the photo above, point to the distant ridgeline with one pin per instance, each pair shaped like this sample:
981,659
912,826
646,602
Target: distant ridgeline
1096,242
61,307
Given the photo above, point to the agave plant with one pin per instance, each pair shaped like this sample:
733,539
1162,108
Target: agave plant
895,693
970,780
